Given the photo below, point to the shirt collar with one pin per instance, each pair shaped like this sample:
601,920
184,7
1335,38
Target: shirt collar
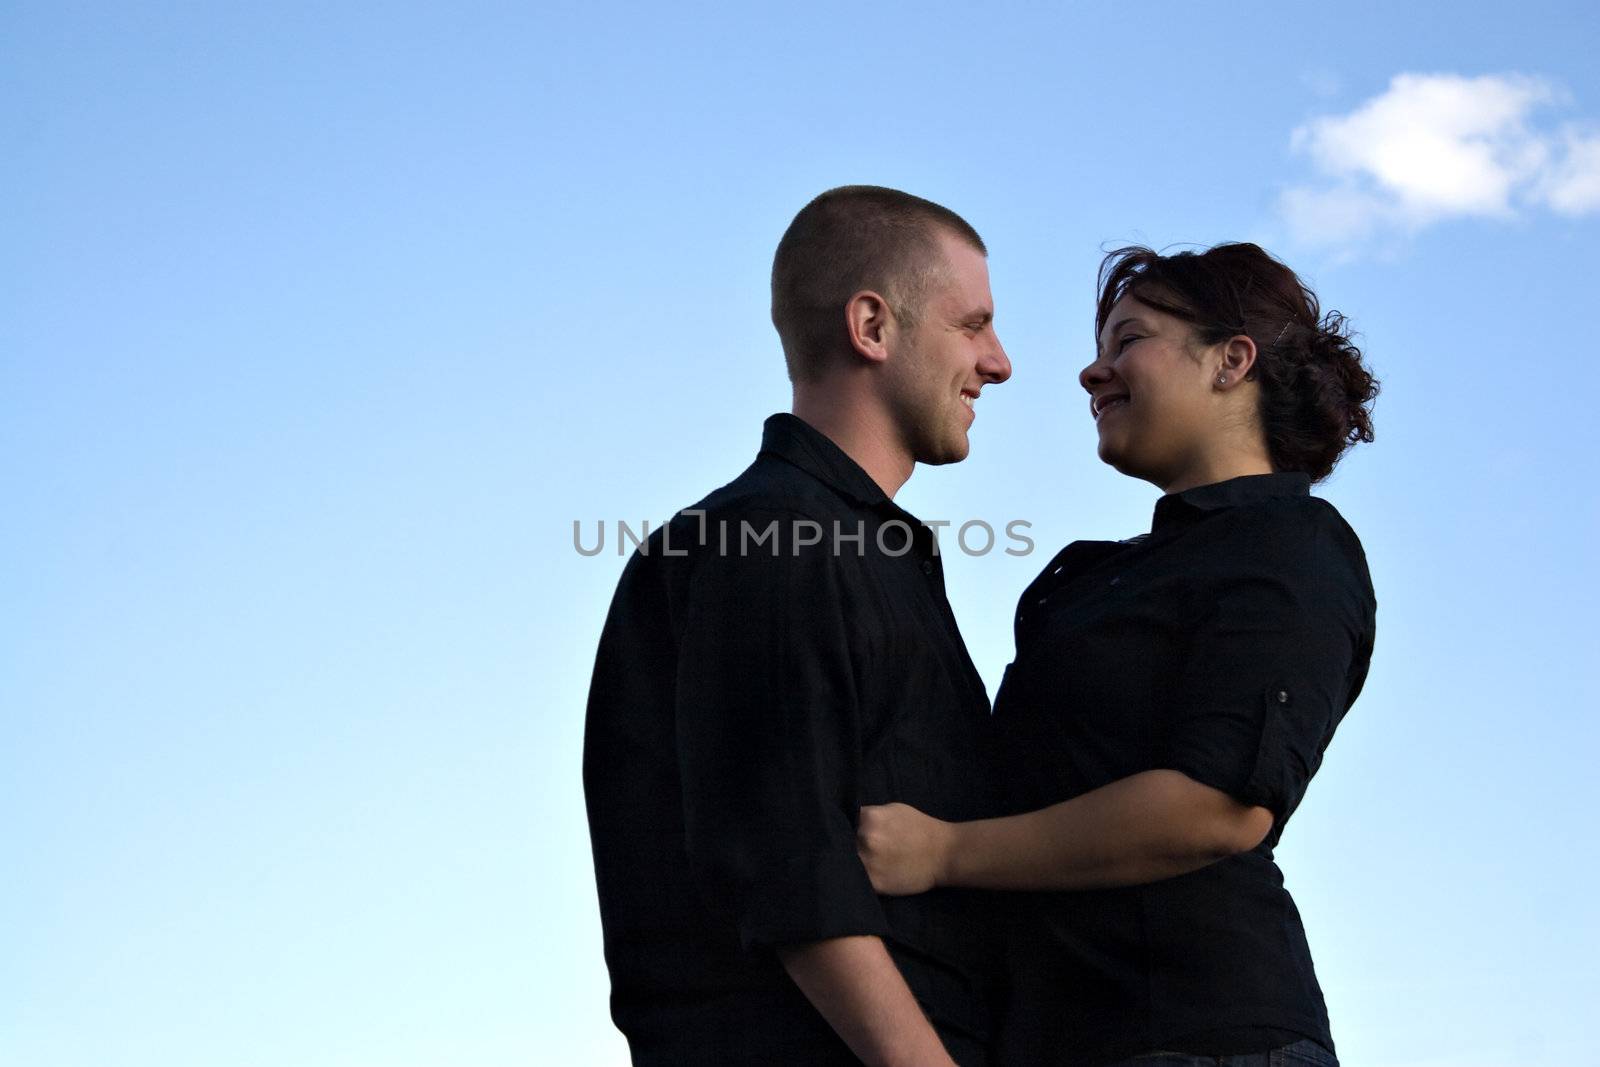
791,438
1232,493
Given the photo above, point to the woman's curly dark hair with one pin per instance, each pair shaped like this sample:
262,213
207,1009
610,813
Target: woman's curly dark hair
1316,393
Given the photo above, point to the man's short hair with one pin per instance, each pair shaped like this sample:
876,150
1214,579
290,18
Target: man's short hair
848,239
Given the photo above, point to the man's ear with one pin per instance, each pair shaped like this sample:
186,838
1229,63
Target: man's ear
870,324
1238,359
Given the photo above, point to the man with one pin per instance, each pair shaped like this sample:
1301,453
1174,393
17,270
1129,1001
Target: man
783,653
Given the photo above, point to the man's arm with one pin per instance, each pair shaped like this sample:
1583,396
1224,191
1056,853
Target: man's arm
769,748
854,984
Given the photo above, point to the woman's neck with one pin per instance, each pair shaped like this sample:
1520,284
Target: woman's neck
1208,470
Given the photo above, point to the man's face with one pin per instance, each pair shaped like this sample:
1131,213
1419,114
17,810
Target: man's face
938,367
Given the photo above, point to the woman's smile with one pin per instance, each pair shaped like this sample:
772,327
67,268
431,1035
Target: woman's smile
1099,405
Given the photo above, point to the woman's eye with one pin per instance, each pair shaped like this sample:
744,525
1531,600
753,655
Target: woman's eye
1127,339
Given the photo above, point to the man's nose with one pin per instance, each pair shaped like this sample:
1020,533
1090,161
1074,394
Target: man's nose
995,365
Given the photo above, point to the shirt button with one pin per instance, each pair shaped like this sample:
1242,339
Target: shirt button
1283,696
927,566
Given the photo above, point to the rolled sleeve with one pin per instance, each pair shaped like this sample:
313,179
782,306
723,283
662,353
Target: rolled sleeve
1274,663
768,739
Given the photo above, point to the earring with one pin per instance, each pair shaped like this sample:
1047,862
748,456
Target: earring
1222,379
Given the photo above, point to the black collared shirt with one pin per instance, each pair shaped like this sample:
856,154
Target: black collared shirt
1227,644
778,656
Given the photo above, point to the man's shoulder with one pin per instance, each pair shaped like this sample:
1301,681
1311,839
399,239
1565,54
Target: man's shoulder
770,486
770,505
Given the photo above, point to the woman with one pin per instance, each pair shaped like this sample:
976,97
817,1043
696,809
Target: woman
1173,694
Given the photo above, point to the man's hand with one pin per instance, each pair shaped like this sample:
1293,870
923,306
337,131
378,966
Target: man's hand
904,850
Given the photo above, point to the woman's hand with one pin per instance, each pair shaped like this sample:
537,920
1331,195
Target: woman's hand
904,851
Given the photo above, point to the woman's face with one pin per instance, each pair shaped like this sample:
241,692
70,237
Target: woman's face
1151,394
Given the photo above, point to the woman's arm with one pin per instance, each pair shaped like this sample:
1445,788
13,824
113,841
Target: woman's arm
1143,828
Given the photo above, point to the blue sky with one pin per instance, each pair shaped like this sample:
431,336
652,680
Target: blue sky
321,324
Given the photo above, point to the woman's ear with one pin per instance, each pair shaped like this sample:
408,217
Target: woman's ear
1238,361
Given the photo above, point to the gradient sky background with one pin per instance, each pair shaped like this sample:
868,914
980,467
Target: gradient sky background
322,323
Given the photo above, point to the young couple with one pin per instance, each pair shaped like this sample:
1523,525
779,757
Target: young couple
814,843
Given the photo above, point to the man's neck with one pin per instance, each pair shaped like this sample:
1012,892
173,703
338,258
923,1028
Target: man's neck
860,430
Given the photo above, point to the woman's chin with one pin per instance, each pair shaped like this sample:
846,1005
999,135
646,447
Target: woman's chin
1122,463
1111,455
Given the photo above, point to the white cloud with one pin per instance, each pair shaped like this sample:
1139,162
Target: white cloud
1335,216
1436,146
1573,185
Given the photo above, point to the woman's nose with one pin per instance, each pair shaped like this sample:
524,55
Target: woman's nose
1096,373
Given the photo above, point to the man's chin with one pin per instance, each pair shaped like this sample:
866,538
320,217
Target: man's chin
952,452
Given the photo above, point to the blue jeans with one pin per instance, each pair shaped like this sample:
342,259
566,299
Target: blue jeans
1305,1053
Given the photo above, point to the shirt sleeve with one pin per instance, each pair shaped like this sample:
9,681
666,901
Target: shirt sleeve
768,739
1279,654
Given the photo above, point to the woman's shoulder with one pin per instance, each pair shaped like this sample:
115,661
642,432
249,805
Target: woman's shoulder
1300,513
1301,532
1321,521
1320,554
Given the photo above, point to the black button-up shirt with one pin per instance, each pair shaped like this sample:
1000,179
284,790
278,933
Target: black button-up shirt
774,658
1227,644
